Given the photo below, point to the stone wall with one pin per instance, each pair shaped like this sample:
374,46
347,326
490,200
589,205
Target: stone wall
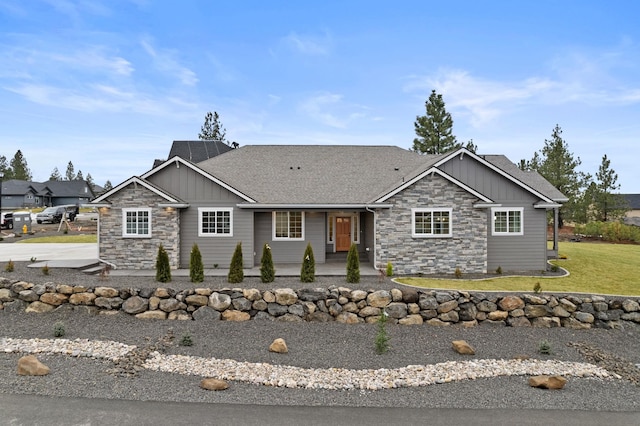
138,253
466,249
403,306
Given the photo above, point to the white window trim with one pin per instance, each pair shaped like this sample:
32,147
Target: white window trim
355,227
215,209
273,227
431,210
124,222
507,209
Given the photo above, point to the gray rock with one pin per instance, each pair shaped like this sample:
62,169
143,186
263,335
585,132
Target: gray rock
171,304
442,297
263,316
241,304
289,318
600,306
629,305
108,302
28,295
206,313
631,316
574,324
135,305
584,317
312,294
427,302
451,316
297,310
319,316
535,311
396,310
467,311
518,322
546,322
487,306
259,305
276,310
219,301
447,306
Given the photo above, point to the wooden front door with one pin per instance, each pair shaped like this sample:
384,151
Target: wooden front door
343,233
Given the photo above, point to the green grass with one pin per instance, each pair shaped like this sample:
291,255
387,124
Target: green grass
593,268
85,238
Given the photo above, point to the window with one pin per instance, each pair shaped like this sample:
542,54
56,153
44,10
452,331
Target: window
215,222
507,221
431,223
136,223
288,225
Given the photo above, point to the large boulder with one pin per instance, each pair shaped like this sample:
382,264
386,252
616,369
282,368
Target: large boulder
279,346
30,366
213,384
509,303
219,301
135,305
285,296
379,299
462,347
547,382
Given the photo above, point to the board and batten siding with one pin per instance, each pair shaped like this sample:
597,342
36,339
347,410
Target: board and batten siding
526,252
291,251
199,191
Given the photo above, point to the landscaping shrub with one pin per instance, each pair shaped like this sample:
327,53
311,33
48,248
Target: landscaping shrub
458,273
267,271
353,265
609,231
499,270
45,269
10,266
196,268
308,270
236,274
58,329
382,338
186,339
163,270
537,289
389,269
544,347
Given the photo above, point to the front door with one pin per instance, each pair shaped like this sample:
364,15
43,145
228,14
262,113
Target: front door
343,233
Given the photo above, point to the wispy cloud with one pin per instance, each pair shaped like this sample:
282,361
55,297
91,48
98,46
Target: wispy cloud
591,80
330,110
308,44
165,62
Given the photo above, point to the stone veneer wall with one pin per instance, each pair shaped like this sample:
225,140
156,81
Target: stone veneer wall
138,253
466,249
403,306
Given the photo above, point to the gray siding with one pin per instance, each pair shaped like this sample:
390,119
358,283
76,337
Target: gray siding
291,251
368,237
199,191
521,252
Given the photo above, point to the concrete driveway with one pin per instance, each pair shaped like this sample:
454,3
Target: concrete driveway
21,252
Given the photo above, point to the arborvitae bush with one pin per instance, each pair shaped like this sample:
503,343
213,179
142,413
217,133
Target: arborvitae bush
499,270
163,270
353,265
308,270
267,271
389,269
236,274
196,268
10,266
537,288
45,269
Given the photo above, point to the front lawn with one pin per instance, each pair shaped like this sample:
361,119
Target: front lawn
594,268
81,238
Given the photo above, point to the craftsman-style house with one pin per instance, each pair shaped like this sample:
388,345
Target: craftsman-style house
424,214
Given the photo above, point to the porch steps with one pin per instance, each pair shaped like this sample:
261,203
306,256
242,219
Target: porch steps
338,257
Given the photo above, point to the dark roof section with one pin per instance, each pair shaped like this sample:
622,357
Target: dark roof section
633,200
198,150
53,188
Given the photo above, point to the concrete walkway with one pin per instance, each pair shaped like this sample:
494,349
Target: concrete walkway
79,256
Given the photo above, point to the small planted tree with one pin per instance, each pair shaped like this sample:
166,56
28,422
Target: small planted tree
267,271
236,274
308,270
163,270
353,265
196,268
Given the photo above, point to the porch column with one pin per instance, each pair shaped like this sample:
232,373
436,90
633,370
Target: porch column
555,231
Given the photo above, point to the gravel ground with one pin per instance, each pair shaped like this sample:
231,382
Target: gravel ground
313,345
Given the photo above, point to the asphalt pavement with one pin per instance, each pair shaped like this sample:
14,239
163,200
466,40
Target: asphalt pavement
24,252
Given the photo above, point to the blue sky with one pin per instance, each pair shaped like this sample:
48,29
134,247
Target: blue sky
108,85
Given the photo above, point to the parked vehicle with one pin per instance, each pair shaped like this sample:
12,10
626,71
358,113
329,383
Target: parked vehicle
55,214
6,220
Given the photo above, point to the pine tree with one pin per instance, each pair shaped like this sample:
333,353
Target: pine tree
90,182
108,186
163,270
196,268
267,271
212,129
435,129
236,274
558,165
308,270
79,176
55,174
70,174
19,168
353,265
608,205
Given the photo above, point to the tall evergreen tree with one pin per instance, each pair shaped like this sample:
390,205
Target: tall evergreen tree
55,174
196,268
558,165
79,176
308,269
353,264
435,129
90,182
108,186
71,173
212,129
163,268
19,167
5,168
607,205
267,271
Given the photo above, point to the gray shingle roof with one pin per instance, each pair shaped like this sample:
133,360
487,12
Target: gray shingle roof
633,200
313,174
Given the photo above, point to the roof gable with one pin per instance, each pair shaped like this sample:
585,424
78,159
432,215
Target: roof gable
198,150
138,181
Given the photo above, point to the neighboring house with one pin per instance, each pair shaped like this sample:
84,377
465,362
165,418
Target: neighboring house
632,217
196,151
18,194
422,213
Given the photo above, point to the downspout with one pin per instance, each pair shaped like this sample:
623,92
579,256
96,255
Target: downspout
555,231
375,233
